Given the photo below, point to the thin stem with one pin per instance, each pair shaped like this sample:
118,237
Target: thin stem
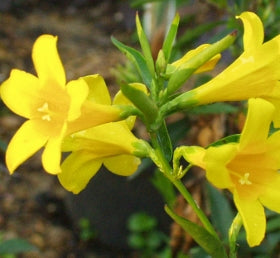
201,215
232,235
165,167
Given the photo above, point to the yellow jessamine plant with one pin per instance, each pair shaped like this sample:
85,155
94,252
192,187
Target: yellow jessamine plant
248,169
79,117
53,108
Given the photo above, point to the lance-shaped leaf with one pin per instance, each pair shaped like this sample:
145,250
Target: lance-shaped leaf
164,141
141,101
208,242
137,59
170,37
145,46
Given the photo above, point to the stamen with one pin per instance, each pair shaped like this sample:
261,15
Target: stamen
45,109
46,117
245,179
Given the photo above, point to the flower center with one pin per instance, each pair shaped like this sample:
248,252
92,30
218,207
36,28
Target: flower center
245,179
46,112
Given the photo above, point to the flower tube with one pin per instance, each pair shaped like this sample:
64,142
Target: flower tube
255,73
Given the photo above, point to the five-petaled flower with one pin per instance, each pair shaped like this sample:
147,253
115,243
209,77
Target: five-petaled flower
249,169
53,108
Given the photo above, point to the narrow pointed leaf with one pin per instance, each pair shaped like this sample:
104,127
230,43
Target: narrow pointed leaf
208,242
170,38
137,59
164,141
145,46
221,212
141,101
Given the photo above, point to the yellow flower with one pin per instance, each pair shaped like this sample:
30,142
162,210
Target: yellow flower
52,107
249,169
110,144
255,73
179,64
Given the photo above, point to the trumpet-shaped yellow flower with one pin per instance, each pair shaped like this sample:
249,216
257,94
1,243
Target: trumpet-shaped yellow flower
249,169
255,73
52,107
110,144
179,64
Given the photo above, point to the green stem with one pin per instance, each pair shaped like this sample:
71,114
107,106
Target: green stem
165,167
201,215
232,235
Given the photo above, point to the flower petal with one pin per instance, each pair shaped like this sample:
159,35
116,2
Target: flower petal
253,217
77,169
216,160
271,197
51,156
123,165
99,114
26,141
251,75
20,92
256,128
253,31
78,91
98,91
47,61
103,140
274,98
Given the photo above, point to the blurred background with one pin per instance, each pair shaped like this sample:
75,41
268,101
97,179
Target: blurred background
115,216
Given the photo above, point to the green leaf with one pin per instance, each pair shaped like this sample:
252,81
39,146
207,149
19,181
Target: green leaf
145,46
164,187
170,38
136,241
221,212
208,242
225,140
141,101
273,224
216,108
137,3
137,59
164,141
141,222
15,246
